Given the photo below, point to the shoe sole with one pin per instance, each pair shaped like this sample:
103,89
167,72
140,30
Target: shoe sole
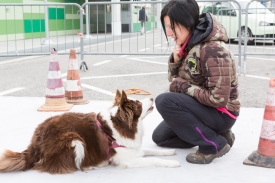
224,150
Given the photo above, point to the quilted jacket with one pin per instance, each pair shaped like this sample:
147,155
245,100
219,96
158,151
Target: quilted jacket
208,72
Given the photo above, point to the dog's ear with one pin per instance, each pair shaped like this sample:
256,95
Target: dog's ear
127,111
118,94
127,115
117,97
123,98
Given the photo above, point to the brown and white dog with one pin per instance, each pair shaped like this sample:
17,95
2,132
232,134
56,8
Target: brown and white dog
78,141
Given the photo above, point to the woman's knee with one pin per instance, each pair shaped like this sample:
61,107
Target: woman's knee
162,100
161,133
156,138
170,99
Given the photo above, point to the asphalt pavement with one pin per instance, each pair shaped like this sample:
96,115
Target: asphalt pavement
28,77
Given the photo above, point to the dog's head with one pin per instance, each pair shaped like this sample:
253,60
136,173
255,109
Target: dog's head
127,113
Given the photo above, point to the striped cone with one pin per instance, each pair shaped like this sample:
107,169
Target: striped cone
73,90
55,95
265,156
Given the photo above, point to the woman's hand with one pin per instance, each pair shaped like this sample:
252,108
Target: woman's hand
171,82
176,53
179,85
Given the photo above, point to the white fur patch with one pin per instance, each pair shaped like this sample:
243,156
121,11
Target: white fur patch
114,110
146,104
128,158
79,152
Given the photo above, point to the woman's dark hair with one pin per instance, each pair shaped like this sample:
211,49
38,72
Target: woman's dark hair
183,12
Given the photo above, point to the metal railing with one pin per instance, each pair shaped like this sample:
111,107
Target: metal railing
265,33
25,29
112,28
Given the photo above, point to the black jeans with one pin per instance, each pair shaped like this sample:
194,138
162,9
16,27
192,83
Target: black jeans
188,123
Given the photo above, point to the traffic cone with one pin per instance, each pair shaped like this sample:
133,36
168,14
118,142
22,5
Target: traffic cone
55,95
73,90
265,155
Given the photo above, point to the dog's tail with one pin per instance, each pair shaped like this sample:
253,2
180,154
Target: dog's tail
12,161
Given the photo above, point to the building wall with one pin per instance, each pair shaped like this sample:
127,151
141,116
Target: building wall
25,22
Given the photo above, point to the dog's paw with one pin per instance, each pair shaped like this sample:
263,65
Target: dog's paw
172,164
123,166
169,152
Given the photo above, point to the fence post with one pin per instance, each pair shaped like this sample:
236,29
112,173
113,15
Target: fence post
83,64
87,36
116,18
47,41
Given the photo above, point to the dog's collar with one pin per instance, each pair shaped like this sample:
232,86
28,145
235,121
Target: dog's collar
113,142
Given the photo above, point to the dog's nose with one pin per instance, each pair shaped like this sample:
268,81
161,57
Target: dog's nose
152,99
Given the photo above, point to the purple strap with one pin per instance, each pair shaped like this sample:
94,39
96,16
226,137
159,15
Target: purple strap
114,144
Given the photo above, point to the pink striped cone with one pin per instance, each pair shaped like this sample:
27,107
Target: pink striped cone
73,93
55,93
55,87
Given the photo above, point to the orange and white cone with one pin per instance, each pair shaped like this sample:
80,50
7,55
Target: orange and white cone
73,89
265,155
55,94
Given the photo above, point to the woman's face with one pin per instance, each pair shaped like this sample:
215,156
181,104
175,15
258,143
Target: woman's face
181,31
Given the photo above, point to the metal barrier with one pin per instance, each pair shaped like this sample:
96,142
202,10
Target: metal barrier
117,30
112,28
26,26
259,32
122,32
